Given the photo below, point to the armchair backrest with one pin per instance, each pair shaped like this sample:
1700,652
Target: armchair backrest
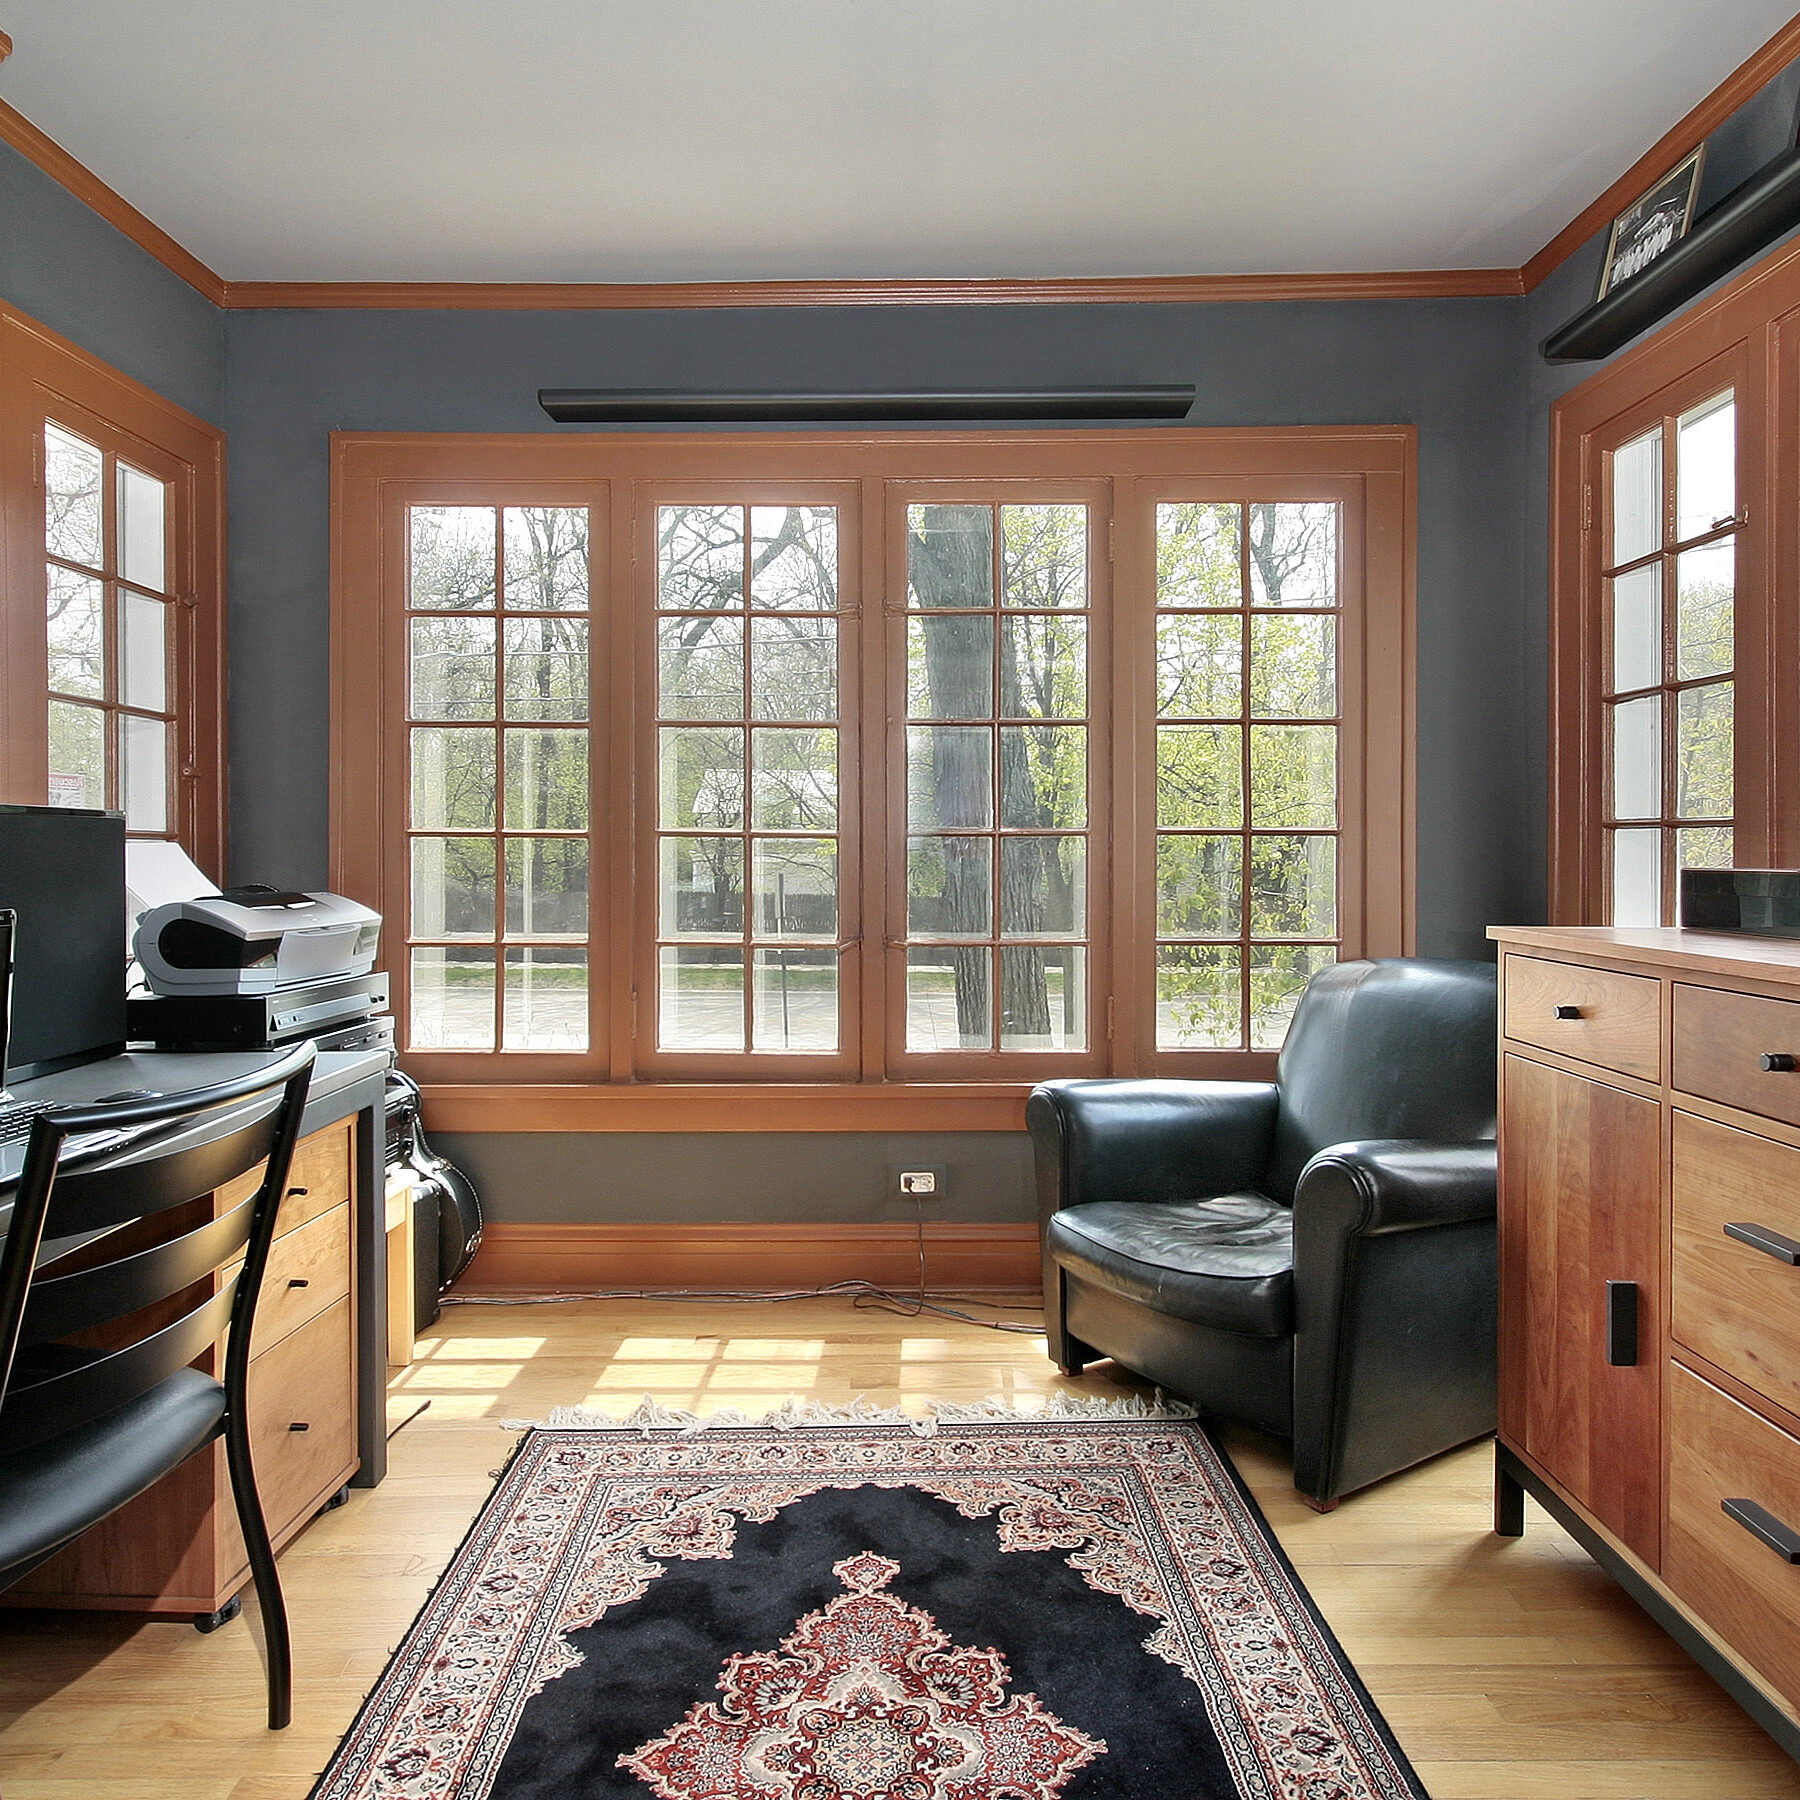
1400,1048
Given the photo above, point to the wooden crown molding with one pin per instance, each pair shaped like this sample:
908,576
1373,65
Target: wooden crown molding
1136,290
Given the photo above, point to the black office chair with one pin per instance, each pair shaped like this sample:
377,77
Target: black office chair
84,1430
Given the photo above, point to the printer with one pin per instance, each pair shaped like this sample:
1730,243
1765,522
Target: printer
255,968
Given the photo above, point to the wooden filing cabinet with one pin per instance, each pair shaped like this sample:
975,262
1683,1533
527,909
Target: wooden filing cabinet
1650,1136
177,1548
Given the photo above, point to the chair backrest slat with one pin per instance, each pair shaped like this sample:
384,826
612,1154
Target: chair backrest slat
61,1304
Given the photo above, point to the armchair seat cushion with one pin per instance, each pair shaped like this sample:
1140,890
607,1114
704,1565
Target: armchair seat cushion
1227,1262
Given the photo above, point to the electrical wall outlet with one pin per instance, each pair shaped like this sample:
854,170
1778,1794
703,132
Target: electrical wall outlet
920,1182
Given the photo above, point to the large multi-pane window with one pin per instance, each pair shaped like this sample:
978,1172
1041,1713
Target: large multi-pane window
895,760
1247,802
1669,568
108,633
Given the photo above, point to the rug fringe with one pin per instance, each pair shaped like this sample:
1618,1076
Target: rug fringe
651,1415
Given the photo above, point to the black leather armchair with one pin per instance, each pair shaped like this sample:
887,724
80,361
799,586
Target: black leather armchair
1315,1255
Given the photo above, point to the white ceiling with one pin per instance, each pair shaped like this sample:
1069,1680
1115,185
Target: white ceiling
687,140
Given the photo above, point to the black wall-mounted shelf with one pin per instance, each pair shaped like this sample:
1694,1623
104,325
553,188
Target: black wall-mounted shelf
670,406
1750,218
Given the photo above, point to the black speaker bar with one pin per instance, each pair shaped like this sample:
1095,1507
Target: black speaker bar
675,406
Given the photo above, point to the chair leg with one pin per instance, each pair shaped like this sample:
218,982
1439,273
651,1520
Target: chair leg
1509,1504
262,1571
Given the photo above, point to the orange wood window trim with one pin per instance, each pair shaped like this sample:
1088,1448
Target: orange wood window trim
376,475
45,376
1745,336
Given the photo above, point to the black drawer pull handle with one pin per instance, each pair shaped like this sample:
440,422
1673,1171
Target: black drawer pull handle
1567,1012
296,1193
295,1284
301,1427
1765,1525
1778,1062
1770,1243
1622,1324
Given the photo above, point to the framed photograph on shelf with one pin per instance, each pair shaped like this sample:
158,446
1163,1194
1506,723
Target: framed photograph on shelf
1652,225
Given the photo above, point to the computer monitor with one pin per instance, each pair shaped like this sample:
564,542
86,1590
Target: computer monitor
62,877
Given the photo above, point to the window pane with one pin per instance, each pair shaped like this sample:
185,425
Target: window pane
702,778
1042,997
949,776
1705,586
546,780
1199,886
1637,496
1293,887
453,780
1199,775
1043,887
71,498
143,652
452,669
1637,758
1704,847
452,887
1044,556
1197,548
546,668
76,631
950,667
795,1001
546,887
1293,666
1637,641
1293,553
795,886
1293,775
793,558
793,780
702,887
700,668
1706,467
452,998
143,502
700,559
1278,978
1199,665
949,887
1043,668
1703,752
1199,999
546,550
1043,775
1637,878
702,998
950,556
948,998
144,772
77,755
546,999
793,668
452,559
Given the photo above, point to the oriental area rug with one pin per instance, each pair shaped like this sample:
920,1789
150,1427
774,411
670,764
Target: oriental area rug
853,1605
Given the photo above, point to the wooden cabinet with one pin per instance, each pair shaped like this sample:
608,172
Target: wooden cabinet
177,1548
1650,1135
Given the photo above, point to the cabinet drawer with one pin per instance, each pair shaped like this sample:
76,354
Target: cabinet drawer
1736,1305
1719,1451
308,1379
1604,1018
308,1269
321,1166
1720,1041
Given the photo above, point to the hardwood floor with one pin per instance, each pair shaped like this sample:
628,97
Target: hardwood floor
1509,1670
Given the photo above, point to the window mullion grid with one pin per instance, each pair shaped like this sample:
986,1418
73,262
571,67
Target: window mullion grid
1245,841
500,745
747,841
996,594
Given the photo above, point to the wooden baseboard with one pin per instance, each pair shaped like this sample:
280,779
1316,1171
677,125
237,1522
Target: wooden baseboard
739,1258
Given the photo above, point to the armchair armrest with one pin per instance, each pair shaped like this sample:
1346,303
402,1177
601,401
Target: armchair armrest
1147,1140
1381,1185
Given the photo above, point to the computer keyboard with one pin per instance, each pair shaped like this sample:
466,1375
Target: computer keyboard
15,1122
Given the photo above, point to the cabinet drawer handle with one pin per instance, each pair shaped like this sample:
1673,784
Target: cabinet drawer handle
300,1427
1762,1524
296,1193
1622,1324
1778,1062
1770,1243
295,1284
1567,1012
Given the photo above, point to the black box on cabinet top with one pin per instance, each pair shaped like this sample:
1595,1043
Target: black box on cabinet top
1763,902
